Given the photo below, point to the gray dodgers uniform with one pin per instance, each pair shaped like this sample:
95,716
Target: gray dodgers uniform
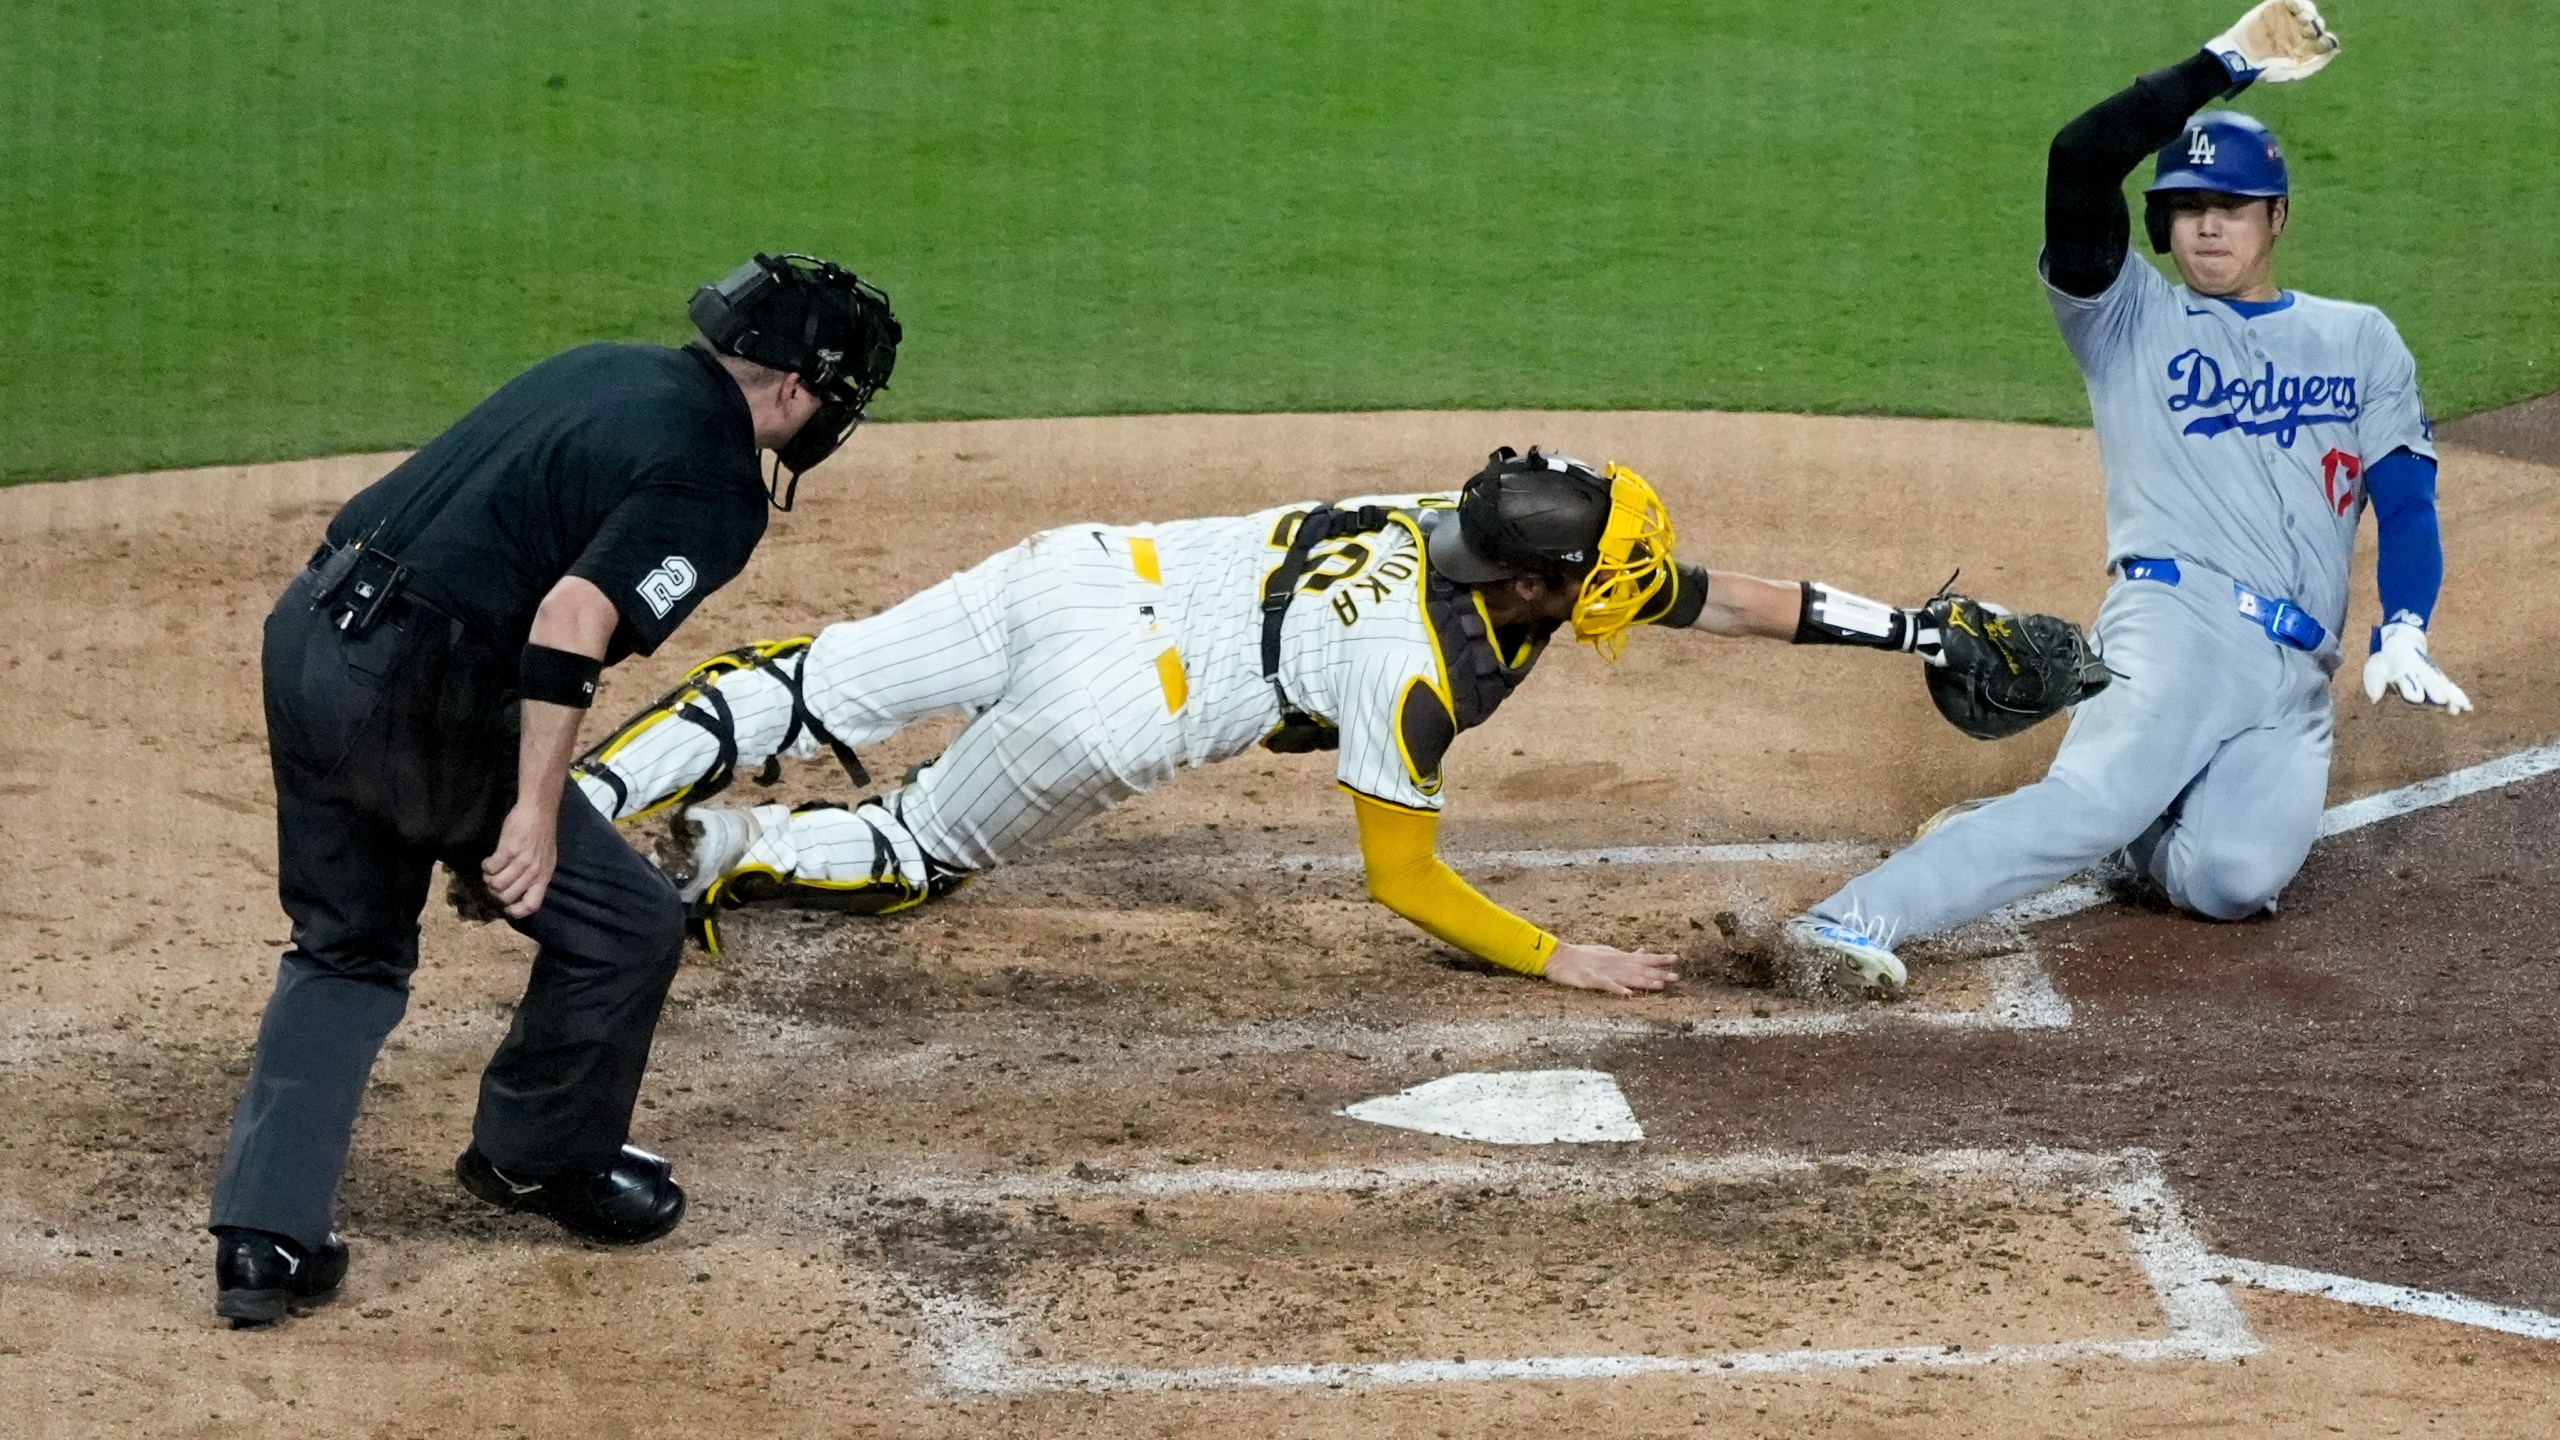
2234,447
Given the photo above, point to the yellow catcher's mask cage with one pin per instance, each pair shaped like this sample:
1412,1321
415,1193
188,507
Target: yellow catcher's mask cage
1634,564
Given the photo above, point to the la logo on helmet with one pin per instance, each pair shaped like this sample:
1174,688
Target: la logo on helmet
2199,147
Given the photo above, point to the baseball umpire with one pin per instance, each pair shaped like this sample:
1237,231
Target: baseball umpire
425,679
2244,429
1098,661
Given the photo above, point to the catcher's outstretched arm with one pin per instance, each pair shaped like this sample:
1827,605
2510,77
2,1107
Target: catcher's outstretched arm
1399,849
1804,612
1740,605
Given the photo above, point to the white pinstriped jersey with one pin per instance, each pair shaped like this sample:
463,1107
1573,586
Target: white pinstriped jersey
1096,661
1358,638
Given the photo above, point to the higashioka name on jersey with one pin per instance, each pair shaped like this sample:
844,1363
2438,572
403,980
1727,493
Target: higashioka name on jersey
2264,404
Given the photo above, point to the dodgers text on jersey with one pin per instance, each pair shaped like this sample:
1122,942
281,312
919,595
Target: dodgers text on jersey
2264,404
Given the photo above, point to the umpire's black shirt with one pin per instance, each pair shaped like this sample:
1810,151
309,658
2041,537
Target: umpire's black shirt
630,466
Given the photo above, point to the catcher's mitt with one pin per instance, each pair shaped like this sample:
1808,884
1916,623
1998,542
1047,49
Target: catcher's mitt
1995,674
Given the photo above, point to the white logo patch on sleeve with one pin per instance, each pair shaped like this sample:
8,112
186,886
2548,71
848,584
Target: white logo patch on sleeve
670,582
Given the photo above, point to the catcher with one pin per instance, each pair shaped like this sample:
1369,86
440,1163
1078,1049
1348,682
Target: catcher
1099,660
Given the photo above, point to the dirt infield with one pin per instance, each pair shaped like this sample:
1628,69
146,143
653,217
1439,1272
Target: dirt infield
2362,1086
1082,1116
2527,430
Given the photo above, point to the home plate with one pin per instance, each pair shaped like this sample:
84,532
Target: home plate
1517,1107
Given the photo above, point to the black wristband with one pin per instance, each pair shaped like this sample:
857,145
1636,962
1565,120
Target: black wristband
558,677
1836,617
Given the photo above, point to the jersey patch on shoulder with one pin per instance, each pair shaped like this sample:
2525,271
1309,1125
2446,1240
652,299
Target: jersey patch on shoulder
672,581
1424,728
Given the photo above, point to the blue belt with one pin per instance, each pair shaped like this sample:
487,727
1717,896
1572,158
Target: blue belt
2283,620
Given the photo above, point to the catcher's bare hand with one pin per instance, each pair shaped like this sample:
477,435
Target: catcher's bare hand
1607,968
519,870
2277,41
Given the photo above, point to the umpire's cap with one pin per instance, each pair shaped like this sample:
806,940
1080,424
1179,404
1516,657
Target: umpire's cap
810,317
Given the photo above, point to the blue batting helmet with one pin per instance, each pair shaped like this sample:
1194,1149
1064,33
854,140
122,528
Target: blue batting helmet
2222,151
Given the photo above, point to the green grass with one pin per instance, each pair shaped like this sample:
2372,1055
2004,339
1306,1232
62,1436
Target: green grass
235,231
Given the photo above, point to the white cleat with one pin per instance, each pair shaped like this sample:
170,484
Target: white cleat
703,844
1841,947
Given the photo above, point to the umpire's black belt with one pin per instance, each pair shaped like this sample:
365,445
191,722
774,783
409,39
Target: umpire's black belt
363,587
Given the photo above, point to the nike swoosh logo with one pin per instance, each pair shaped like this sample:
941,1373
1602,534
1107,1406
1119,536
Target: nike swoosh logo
2194,311
292,1262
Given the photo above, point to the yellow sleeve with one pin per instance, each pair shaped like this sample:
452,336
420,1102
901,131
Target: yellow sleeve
1399,849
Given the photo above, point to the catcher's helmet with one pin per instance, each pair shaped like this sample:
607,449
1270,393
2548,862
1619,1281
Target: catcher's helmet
2222,151
817,320
1524,515
1555,516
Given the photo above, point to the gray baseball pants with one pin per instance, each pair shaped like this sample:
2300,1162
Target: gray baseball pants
2207,758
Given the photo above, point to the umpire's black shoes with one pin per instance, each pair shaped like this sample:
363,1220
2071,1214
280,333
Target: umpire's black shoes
257,1276
630,1202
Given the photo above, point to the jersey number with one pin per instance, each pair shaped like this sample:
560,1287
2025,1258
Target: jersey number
1338,562
670,582
1334,562
1349,560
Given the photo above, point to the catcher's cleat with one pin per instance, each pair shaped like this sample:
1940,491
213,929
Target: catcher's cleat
701,844
818,856
257,1276
1961,807
630,1202
1835,949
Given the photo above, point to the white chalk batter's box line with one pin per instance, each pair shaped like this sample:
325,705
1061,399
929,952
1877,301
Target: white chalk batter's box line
2022,995
2336,820
972,1350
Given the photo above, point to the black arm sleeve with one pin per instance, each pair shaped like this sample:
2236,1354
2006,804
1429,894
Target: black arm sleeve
2086,228
1678,603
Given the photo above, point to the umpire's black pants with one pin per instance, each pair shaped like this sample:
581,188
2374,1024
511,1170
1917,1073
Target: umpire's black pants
393,752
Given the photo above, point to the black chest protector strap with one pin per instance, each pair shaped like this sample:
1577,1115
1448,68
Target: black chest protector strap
1323,523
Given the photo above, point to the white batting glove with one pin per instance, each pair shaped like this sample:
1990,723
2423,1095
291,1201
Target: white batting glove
2278,41
2399,662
